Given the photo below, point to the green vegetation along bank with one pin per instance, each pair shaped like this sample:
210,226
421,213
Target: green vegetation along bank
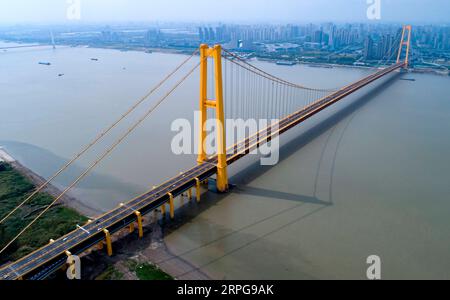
58,221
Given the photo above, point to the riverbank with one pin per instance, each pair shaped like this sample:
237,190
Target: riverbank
329,66
145,259
132,255
188,51
37,180
66,200
14,189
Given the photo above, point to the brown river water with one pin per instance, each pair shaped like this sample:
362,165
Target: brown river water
368,176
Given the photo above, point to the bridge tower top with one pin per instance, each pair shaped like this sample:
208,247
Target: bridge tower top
406,34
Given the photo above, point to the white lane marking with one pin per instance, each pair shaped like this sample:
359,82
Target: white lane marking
127,207
79,227
14,271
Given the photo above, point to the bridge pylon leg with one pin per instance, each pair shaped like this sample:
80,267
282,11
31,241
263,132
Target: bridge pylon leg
218,105
222,174
190,194
197,189
131,228
139,221
203,99
407,43
172,206
109,250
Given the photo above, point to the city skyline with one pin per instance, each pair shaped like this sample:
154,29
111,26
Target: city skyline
251,11
323,43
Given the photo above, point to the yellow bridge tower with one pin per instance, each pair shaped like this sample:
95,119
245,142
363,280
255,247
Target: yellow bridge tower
217,104
407,43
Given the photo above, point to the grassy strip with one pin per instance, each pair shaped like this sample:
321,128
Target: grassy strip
58,221
111,273
146,271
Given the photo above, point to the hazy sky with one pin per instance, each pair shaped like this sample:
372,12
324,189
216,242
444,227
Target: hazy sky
55,11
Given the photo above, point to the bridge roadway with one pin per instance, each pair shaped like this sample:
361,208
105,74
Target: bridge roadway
43,262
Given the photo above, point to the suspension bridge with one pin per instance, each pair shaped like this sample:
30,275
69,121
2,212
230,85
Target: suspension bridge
52,44
24,46
238,89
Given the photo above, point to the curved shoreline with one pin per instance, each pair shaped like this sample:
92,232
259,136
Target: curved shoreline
38,180
50,189
151,248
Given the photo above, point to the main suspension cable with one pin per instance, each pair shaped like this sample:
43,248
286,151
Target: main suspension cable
268,75
99,137
103,156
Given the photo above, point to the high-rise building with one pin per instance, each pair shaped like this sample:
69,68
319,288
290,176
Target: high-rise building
220,33
201,34
318,36
445,41
212,35
331,37
368,48
152,36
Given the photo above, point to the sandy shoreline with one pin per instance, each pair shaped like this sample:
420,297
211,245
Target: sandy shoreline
50,189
